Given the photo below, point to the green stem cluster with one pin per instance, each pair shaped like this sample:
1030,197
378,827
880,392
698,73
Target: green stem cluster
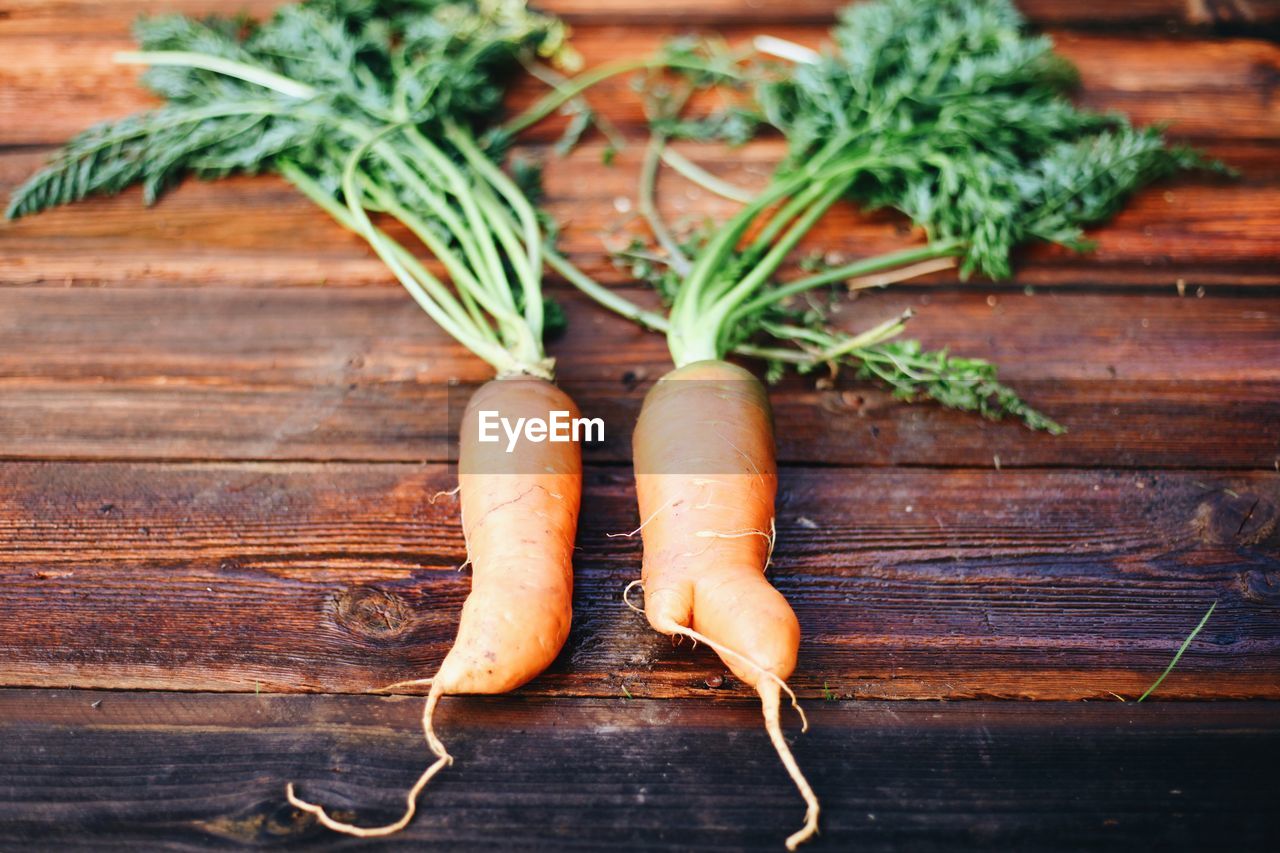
491,230
712,301
727,285
440,183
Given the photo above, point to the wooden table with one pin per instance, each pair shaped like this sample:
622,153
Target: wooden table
220,420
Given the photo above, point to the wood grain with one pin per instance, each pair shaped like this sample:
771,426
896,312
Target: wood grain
907,583
635,775
1204,88
1202,231
89,17
1191,229
361,374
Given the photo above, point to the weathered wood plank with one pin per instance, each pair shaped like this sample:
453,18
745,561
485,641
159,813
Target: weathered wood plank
1204,88
135,771
361,374
260,232
908,583
1204,232
1234,16
87,17
218,336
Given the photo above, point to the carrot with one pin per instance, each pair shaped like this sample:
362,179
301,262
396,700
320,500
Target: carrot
519,529
519,519
705,472
402,145
706,480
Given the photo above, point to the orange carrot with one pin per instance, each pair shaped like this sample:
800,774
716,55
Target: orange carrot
706,480
403,146
519,517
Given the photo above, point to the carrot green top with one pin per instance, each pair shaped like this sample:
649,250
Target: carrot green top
367,107
946,110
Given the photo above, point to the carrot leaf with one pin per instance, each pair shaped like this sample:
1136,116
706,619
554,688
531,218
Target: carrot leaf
371,109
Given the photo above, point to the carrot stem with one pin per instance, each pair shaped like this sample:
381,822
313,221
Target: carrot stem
862,267
700,176
220,65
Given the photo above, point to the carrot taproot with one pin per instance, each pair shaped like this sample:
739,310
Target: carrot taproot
706,479
519,519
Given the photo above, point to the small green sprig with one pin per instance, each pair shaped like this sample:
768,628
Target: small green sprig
904,366
967,384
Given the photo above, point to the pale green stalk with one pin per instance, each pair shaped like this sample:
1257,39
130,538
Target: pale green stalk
229,67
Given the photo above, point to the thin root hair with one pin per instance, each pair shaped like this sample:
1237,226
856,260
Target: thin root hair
445,494
771,537
644,523
755,469
736,534
725,650
773,540
415,682
443,760
626,595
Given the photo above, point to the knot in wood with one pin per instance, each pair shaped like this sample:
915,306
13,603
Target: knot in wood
1237,518
1260,587
367,611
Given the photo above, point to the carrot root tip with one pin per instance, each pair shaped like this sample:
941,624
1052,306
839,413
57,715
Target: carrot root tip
411,807
773,725
443,760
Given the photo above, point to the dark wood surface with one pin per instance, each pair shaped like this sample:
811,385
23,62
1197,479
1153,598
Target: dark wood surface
220,422
909,583
189,771
329,373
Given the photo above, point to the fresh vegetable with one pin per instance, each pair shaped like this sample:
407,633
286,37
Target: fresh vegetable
370,109
705,482
946,111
